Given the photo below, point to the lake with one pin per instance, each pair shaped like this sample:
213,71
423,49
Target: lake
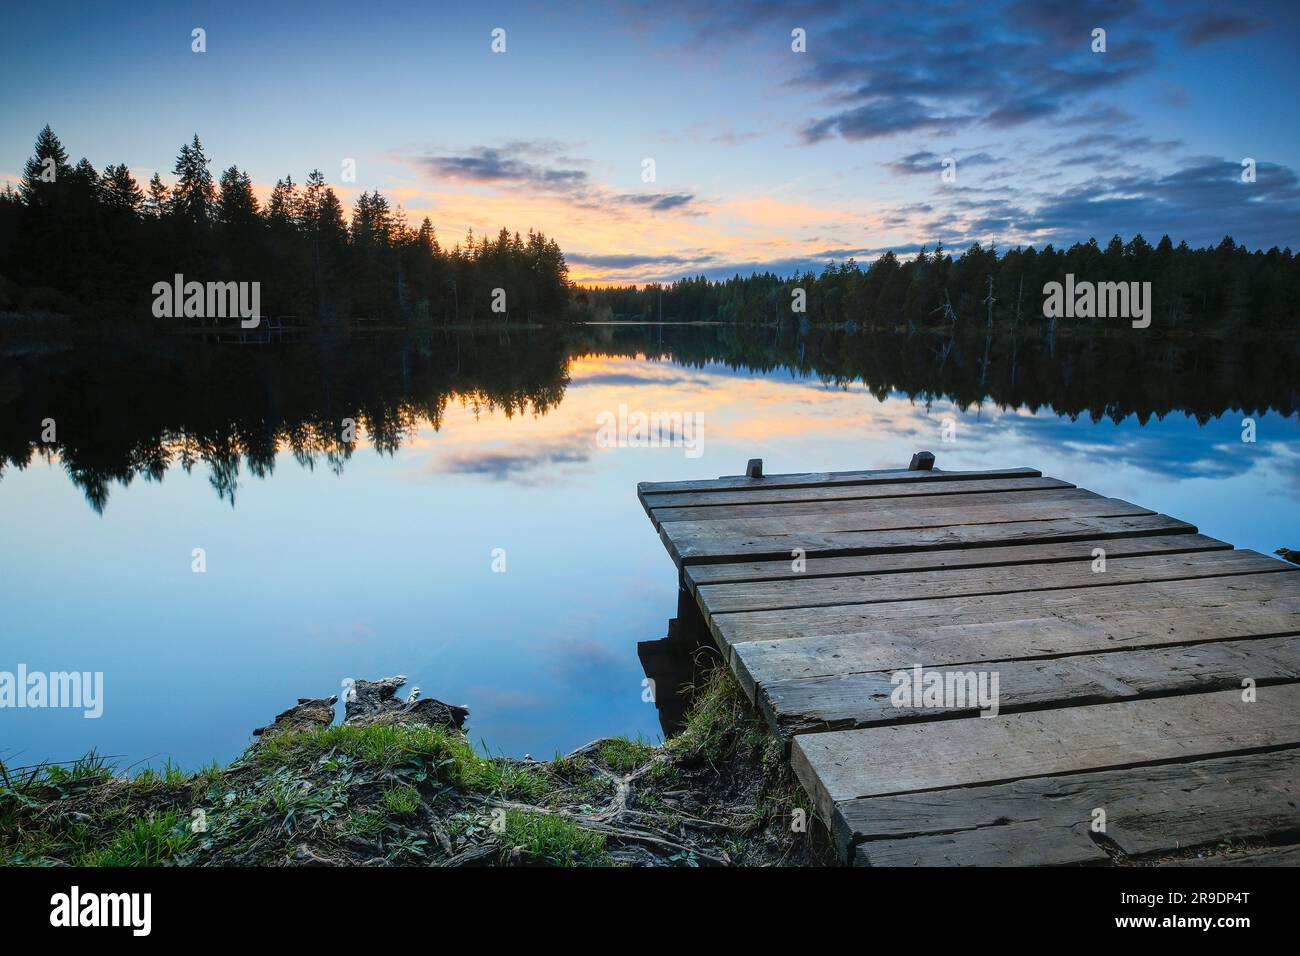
479,535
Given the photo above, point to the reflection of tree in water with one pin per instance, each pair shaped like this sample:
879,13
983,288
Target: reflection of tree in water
1106,375
133,410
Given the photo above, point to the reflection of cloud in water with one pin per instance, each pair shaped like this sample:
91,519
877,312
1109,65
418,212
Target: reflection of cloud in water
340,634
487,699
1179,448
514,465
786,412
589,665
1284,465
615,378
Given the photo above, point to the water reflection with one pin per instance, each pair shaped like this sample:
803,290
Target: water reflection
330,558
125,410
131,409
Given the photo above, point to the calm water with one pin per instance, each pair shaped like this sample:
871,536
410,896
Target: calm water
325,562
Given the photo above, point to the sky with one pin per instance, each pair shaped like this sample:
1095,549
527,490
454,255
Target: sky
763,156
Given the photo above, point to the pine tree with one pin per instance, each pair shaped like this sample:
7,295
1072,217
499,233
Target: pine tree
156,203
194,196
285,207
43,171
236,203
119,189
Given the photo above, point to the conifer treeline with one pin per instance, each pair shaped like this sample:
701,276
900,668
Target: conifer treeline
74,238
1223,287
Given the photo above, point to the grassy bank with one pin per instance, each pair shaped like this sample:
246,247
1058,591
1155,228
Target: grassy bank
396,792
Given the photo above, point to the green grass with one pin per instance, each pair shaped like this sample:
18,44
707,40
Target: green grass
624,755
571,767
91,768
502,778
150,842
553,839
401,801
169,774
389,746
381,745
721,721
722,724
367,825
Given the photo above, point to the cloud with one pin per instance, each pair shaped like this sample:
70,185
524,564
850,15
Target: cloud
724,266
697,133
657,201
1065,22
1200,202
627,261
978,66
1211,26
1010,88
1021,111
539,167
882,117
926,162
488,165
1118,143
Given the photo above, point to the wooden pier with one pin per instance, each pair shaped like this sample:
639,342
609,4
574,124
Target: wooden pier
1148,677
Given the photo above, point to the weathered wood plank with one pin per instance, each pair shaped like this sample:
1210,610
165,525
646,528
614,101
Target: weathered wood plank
1267,856
983,612
681,505
735,536
1035,843
843,701
870,589
929,513
1046,498
686,549
851,764
1048,820
951,642
809,479
897,562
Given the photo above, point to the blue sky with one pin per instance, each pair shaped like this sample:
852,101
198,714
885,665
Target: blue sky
763,157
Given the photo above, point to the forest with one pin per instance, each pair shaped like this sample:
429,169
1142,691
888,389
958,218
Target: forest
1224,288
78,241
